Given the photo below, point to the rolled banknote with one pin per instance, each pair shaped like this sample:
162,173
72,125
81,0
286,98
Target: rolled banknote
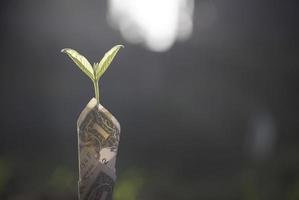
98,139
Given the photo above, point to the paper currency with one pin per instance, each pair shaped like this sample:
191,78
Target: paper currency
98,139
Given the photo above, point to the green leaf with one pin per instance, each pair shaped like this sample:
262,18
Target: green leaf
80,61
101,67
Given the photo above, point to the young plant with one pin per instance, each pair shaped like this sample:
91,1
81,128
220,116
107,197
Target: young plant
98,69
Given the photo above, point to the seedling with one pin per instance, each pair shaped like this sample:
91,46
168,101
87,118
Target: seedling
98,69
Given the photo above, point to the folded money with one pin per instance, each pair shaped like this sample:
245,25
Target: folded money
98,134
98,139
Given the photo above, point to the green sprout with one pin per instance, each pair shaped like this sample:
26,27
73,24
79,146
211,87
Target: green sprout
98,69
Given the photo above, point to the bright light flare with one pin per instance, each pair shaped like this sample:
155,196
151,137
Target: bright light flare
155,23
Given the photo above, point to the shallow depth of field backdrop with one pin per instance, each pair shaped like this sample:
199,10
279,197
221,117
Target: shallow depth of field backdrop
212,116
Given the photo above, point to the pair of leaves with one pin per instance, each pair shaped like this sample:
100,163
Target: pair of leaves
98,69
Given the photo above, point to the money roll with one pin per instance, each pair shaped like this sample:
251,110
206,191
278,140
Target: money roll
98,139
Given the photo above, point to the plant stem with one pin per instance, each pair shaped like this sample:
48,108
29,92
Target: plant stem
96,90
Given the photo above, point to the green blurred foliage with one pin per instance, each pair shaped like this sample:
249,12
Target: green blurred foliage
249,187
5,174
62,179
129,185
294,191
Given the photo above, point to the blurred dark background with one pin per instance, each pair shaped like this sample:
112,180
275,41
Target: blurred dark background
214,117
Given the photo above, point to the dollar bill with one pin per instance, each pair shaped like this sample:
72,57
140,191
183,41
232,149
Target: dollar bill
98,139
